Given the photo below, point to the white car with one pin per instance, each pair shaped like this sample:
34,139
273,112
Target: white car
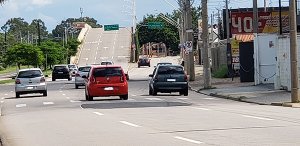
30,81
107,63
73,69
82,71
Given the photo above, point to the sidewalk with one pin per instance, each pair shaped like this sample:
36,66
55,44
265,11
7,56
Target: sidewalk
235,90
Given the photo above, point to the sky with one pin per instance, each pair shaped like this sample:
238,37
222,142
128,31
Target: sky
52,12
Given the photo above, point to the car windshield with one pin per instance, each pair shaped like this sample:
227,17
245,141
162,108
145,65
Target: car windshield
72,66
60,68
30,74
84,69
109,71
170,70
106,63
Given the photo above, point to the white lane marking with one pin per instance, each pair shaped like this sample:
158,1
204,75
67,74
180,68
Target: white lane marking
5,94
188,140
260,118
97,52
95,58
182,98
75,101
64,94
201,108
2,101
2,98
68,97
21,105
159,99
99,114
48,103
210,98
122,46
60,91
11,91
133,95
129,124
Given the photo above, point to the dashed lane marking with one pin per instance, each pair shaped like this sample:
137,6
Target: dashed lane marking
60,89
2,101
133,95
75,101
21,105
260,118
158,99
188,140
201,108
48,103
64,94
5,94
182,98
68,97
129,124
99,114
210,98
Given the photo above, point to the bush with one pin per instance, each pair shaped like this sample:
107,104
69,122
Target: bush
221,72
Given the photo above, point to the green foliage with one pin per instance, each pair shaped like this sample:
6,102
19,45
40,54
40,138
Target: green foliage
72,47
221,72
53,52
24,54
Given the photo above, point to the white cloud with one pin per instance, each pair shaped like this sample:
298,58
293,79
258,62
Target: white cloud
49,21
41,2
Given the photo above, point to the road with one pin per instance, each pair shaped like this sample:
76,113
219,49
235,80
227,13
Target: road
65,118
100,45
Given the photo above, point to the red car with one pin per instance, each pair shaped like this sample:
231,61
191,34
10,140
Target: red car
106,81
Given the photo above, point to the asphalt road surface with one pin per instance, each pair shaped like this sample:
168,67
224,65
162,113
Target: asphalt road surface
65,118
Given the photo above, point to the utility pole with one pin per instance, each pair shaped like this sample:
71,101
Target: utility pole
229,57
293,53
189,37
265,5
206,64
81,12
39,32
255,18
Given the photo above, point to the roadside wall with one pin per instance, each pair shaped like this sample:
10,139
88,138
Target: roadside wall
81,37
218,57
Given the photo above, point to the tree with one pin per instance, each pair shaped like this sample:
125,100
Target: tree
53,53
18,28
24,54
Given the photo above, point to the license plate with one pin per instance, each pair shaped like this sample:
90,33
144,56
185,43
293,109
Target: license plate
171,80
108,88
60,72
29,88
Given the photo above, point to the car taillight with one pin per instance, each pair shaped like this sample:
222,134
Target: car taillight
77,75
185,77
122,79
148,61
42,80
18,81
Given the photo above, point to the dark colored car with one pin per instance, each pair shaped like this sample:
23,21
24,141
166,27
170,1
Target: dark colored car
143,62
167,79
61,72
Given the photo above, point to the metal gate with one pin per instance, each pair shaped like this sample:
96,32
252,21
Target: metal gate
246,50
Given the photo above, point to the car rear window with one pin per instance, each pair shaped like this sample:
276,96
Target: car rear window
106,63
108,71
60,68
170,70
72,66
84,69
30,74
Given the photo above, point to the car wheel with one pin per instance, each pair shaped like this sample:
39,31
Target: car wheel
76,86
86,96
70,78
139,66
186,92
17,95
53,79
124,97
45,93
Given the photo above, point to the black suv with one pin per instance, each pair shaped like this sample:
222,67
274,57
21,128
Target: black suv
167,79
61,72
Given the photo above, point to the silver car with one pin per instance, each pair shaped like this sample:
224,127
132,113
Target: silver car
29,81
82,71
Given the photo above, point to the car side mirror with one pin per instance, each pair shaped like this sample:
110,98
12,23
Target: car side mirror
127,76
151,75
84,76
13,77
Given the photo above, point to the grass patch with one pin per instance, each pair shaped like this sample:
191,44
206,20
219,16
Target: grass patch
7,81
47,72
221,72
11,69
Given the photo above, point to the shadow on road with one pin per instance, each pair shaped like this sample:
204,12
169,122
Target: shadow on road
133,105
27,96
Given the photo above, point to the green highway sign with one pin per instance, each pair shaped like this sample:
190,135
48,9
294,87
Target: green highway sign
155,25
111,27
